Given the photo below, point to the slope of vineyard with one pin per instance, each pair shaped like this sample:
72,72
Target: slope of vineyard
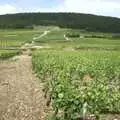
80,72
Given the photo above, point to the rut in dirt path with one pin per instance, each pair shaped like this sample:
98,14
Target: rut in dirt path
21,97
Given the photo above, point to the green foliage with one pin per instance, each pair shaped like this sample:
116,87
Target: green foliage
79,82
55,39
95,36
65,20
16,38
73,35
116,36
5,54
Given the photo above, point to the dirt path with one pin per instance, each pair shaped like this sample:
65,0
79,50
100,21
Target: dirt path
21,97
32,45
44,34
66,38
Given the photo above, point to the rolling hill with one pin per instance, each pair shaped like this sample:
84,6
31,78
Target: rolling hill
87,22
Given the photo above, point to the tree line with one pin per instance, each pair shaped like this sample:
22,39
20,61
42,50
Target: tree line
87,22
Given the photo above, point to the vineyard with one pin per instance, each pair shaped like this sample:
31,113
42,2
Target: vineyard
79,84
12,40
78,74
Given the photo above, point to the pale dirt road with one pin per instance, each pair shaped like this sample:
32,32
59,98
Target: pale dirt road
21,97
32,45
66,38
44,34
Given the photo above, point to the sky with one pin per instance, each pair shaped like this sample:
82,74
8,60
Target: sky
98,7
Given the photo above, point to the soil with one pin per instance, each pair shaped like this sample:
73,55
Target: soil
21,97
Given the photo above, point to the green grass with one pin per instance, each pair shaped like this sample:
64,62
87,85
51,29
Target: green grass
53,36
12,40
56,39
5,54
16,38
97,43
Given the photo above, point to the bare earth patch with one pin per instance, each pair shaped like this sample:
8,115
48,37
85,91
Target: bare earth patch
21,97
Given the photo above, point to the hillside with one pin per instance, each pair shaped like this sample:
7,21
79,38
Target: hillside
66,20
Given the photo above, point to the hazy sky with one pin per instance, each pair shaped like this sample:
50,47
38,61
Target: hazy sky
99,7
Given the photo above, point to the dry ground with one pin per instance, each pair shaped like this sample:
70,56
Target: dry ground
21,97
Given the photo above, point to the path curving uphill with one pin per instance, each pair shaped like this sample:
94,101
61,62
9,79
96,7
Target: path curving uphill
21,97
44,34
66,38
